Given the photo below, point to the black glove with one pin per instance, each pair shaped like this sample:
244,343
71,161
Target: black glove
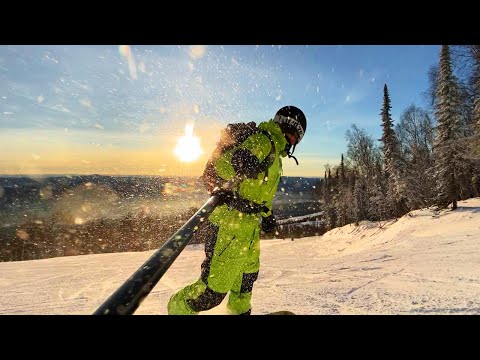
223,195
268,224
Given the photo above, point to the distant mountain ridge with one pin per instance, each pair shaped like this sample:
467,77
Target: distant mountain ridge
298,184
27,189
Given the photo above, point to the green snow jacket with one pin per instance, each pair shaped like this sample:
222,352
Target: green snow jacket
259,189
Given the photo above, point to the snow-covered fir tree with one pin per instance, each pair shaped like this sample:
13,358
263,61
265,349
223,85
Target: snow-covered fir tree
475,182
475,50
448,151
360,201
344,198
342,172
394,169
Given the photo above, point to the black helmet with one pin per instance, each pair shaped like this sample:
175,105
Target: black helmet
291,120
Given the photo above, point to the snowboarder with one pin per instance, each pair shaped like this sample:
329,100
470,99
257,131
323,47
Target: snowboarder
232,231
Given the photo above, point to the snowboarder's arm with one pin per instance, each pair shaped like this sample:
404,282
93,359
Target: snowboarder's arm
245,163
246,160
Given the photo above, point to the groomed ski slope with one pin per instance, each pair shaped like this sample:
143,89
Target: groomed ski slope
421,264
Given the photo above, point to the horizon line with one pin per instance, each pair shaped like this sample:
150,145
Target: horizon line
125,175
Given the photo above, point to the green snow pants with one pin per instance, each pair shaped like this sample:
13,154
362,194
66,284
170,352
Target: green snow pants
232,261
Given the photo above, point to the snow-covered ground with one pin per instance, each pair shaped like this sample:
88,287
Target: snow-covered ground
421,264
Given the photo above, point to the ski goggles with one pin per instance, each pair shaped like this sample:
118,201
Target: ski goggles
290,125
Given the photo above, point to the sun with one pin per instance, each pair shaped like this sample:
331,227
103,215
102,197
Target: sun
188,147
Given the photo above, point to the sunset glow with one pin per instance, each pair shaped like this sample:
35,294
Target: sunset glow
188,147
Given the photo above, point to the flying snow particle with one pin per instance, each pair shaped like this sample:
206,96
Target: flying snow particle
86,103
22,234
126,52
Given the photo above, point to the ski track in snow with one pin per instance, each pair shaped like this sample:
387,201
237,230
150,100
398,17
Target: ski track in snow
421,264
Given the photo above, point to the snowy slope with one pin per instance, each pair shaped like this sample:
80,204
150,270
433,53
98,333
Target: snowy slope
420,264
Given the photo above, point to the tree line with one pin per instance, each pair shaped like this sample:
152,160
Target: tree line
431,157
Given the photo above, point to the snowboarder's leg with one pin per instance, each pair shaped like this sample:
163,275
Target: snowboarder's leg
222,264
239,301
225,258
193,298
197,297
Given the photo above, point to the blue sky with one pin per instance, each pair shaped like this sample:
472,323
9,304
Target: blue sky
121,109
